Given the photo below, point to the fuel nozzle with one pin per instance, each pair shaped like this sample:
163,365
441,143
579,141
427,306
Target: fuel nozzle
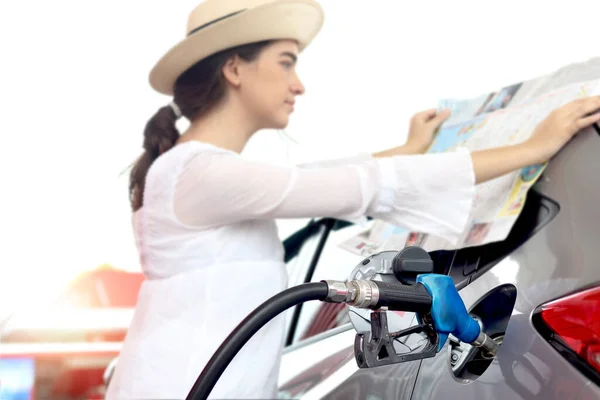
450,315
436,302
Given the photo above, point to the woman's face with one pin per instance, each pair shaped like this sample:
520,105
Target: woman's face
268,86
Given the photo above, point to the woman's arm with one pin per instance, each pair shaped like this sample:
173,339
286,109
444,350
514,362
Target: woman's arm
493,163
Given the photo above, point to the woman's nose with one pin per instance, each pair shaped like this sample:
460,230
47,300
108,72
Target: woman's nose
297,87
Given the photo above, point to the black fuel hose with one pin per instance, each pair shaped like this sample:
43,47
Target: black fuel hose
247,328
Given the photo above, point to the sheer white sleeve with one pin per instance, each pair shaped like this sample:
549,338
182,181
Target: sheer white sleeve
428,193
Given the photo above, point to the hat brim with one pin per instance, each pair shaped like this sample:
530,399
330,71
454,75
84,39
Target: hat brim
298,20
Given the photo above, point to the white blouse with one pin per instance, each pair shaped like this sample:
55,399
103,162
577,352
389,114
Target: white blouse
210,250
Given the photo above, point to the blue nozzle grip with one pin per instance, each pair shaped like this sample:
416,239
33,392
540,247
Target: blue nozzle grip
448,311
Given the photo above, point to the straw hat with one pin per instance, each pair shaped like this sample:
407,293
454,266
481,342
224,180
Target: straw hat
216,25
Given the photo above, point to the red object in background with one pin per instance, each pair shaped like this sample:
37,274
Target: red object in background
79,382
105,288
70,362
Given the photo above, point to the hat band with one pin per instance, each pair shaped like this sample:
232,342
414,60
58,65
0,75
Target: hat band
214,21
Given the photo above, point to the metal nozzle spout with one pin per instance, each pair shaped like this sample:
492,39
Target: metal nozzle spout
487,344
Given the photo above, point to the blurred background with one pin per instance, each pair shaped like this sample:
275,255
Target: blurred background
75,99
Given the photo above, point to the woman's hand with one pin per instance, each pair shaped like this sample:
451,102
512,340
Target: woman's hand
423,127
547,139
561,125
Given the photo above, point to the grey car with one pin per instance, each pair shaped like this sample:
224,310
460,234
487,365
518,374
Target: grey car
537,292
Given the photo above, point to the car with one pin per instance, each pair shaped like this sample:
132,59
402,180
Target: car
537,293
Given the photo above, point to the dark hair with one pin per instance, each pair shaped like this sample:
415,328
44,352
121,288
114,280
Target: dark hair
196,92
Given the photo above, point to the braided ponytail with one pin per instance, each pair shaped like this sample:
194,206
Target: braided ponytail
160,135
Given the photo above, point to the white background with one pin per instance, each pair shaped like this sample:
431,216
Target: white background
75,99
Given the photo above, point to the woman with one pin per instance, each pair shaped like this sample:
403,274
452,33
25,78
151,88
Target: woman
204,216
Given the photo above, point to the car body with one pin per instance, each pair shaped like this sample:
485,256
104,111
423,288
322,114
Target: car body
553,251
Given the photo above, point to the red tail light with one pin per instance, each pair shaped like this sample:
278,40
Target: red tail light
572,326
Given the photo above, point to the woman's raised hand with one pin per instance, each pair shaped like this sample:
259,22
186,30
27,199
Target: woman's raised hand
423,127
552,133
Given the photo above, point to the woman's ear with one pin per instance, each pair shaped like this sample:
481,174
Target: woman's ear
231,71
